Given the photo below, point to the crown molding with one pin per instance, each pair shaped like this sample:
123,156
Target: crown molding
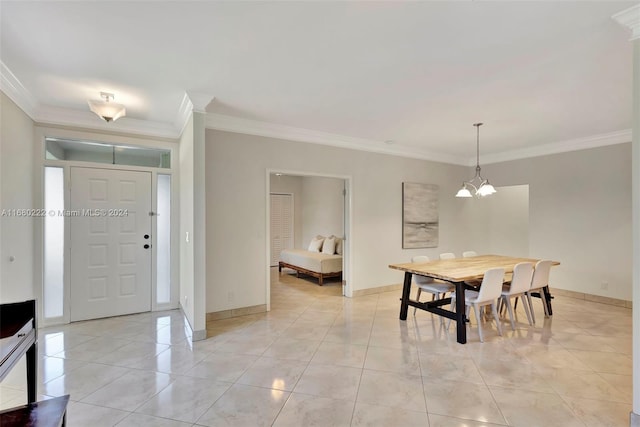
46,114
602,140
14,89
86,119
295,134
199,101
184,113
630,18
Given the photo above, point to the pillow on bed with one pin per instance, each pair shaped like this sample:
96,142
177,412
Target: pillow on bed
316,244
338,246
329,245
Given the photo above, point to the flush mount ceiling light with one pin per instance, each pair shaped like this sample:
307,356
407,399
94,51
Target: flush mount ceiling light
107,110
480,186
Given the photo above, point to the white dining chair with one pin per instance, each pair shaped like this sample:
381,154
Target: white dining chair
435,287
468,254
487,295
520,284
539,280
448,255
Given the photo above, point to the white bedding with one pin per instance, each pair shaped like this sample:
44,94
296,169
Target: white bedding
312,261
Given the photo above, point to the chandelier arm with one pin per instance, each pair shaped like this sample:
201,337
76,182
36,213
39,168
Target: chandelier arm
483,188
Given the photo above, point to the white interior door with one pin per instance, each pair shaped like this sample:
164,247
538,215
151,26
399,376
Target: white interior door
110,225
281,225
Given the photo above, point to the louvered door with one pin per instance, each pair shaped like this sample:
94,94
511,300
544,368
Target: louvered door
281,225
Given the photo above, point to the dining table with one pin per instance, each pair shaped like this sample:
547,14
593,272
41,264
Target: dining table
461,272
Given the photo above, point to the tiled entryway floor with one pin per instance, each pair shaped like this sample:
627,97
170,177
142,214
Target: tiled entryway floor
318,359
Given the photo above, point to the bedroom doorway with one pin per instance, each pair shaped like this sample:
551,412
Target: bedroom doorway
319,206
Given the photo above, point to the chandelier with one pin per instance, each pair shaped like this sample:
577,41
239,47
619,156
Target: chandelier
480,186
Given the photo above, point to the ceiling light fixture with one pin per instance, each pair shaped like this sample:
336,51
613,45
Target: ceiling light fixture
107,110
483,188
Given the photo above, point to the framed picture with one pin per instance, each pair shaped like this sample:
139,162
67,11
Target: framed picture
419,215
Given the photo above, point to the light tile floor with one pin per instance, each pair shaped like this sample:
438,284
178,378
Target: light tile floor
318,359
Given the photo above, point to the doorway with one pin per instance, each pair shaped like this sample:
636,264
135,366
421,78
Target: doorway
110,234
321,205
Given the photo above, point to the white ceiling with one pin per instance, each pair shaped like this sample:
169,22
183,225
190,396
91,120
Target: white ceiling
538,74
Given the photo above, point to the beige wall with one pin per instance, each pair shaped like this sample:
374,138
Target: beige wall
499,224
16,192
192,223
236,210
186,221
322,208
579,214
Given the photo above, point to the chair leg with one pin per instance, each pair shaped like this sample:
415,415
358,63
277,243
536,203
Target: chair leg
528,301
495,316
453,308
526,308
476,311
437,297
510,309
417,300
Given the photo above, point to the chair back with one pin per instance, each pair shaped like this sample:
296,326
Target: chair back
447,255
541,274
467,254
522,275
416,277
491,286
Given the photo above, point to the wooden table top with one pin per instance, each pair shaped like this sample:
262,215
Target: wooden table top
463,269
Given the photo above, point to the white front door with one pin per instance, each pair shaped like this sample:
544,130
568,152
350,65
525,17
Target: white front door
110,226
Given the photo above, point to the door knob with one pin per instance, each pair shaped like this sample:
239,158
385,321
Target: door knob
146,246
146,236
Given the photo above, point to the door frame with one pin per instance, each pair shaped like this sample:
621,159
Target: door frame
41,133
347,290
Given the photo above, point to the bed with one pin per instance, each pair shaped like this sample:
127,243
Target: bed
314,263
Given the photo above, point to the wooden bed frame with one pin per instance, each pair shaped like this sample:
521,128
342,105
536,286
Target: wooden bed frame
319,276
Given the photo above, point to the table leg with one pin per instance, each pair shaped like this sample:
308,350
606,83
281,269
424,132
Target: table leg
461,327
547,298
32,375
406,290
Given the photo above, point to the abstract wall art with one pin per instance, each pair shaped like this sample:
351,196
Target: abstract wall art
419,215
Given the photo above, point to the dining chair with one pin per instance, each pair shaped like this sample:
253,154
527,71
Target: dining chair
428,284
539,281
468,254
520,284
448,255
487,295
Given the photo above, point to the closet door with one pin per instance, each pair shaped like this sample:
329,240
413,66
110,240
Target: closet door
281,225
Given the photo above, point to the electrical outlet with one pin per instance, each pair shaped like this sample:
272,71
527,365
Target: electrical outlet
604,286
230,296
186,301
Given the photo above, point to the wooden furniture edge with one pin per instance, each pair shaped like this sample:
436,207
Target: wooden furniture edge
43,413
